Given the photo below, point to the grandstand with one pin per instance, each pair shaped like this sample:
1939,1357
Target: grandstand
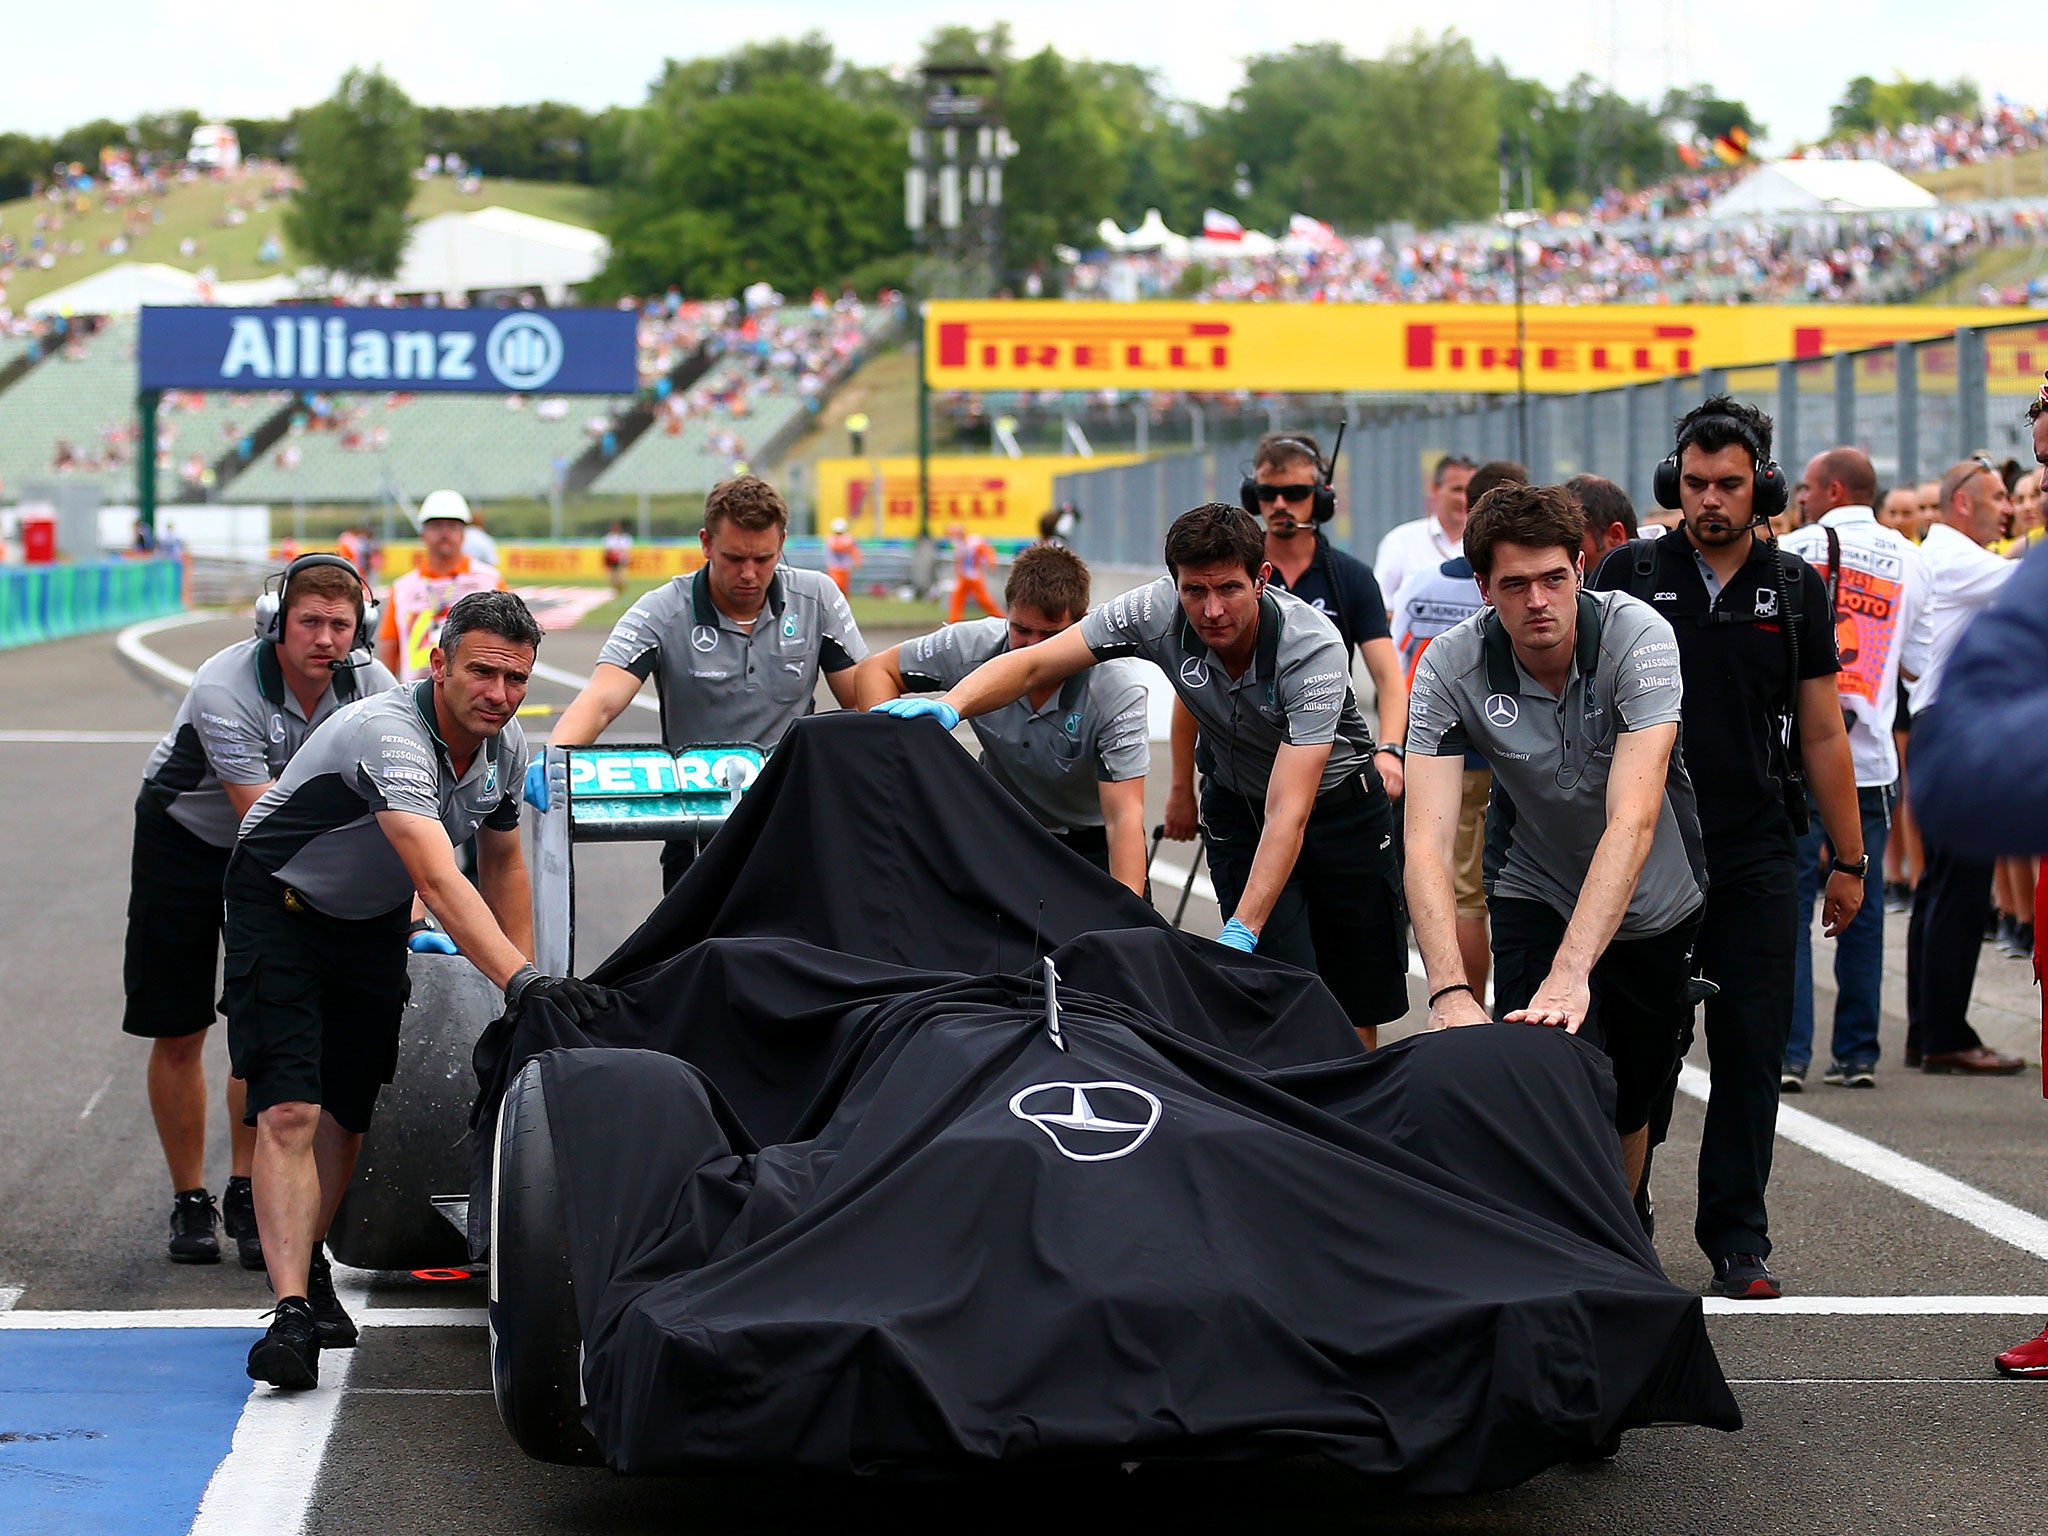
350,449
72,415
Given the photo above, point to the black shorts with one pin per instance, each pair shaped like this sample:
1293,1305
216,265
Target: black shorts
1340,912
1638,1014
1092,843
174,915
313,1002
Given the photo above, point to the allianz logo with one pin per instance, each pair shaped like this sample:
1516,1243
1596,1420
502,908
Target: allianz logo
522,351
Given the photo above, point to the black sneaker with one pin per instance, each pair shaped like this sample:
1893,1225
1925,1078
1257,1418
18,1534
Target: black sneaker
1746,1277
193,1220
1791,1079
336,1328
238,1220
2022,945
1850,1074
288,1354
1898,896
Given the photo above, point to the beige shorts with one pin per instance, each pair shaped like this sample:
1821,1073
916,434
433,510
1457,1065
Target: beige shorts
1468,865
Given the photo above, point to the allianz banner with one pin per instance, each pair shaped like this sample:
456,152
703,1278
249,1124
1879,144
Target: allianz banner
1455,348
473,351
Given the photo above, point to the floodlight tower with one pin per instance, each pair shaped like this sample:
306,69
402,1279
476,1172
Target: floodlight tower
953,207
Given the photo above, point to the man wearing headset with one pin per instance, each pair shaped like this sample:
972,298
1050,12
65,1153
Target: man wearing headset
1289,490
1757,650
250,708
1574,698
1300,832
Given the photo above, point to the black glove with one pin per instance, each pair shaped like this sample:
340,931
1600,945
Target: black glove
578,999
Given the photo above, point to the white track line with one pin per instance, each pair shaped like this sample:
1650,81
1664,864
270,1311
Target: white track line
570,680
74,738
265,1485
235,1317
9,1295
1951,1196
130,644
1879,1306
98,1093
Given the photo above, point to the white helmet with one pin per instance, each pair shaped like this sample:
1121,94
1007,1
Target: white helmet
445,504
839,525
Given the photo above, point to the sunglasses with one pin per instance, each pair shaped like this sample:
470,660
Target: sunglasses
1285,492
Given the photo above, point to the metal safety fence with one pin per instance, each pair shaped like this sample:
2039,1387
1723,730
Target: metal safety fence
48,602
1914,406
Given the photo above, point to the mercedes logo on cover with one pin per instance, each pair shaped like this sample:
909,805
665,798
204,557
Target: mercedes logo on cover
1502,710
1090,1122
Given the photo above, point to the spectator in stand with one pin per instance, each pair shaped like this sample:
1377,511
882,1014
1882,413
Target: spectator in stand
1428,541
1952,903
1877,587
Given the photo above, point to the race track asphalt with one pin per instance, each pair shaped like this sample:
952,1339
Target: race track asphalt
1866,1423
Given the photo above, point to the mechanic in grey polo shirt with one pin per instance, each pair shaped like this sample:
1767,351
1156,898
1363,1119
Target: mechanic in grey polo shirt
1574,698
319,894
1299,830
1074,755
735,650
251,707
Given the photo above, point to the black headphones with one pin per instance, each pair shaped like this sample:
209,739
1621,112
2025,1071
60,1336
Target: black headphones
1323,506
1772,494
270,604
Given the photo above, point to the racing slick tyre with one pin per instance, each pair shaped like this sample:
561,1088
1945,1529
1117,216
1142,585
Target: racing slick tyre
417,1146
536,1341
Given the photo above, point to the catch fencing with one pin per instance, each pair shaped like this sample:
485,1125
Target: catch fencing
1914,407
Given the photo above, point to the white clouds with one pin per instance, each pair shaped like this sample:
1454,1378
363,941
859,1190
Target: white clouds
1789,66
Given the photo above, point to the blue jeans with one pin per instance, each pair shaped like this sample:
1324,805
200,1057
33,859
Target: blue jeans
1859,948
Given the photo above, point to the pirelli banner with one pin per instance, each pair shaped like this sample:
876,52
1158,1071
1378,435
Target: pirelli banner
1389,348
998,498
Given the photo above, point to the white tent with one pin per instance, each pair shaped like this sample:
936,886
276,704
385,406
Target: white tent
494,248
1151,235
1822,186
121,290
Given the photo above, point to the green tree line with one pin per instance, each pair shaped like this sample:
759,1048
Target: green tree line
783,161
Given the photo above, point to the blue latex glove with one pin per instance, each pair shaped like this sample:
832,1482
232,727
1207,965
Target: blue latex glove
431,941
910,709
537,784
1237,936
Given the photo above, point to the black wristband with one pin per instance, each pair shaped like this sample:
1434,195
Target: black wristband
1456,986
1400,752
519,981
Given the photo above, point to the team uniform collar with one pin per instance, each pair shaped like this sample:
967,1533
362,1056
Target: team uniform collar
423,703
704,611
1266,654
1504,670
270,681
1841,517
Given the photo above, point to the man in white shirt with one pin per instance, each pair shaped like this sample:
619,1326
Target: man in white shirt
1953,899
1428,542
1878,590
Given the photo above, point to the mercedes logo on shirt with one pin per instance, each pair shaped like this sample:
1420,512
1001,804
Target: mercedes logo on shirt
1194,672
704,638
1502,710
1089,1122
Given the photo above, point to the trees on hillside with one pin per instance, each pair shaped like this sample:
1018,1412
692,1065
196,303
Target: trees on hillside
356,155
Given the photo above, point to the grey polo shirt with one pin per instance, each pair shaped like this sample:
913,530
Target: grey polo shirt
239,724
1092,729
720,681
1552,753
1296,692
316,828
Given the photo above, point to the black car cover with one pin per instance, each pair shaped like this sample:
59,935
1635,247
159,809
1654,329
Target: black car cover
843,1191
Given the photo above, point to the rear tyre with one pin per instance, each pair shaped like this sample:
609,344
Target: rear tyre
536,1341
417,1146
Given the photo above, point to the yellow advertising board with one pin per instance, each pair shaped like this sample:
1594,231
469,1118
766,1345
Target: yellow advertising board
1000,498
1459,348
526,565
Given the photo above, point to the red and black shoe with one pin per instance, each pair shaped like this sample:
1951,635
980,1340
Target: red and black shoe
1746,1277
2028,1359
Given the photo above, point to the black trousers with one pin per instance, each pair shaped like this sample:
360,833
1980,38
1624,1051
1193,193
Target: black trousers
1339,914
1951,904
1746,946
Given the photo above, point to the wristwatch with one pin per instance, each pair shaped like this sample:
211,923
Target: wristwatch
1860,868
1400,752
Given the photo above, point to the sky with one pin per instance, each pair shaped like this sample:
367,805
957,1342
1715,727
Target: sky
1789,65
